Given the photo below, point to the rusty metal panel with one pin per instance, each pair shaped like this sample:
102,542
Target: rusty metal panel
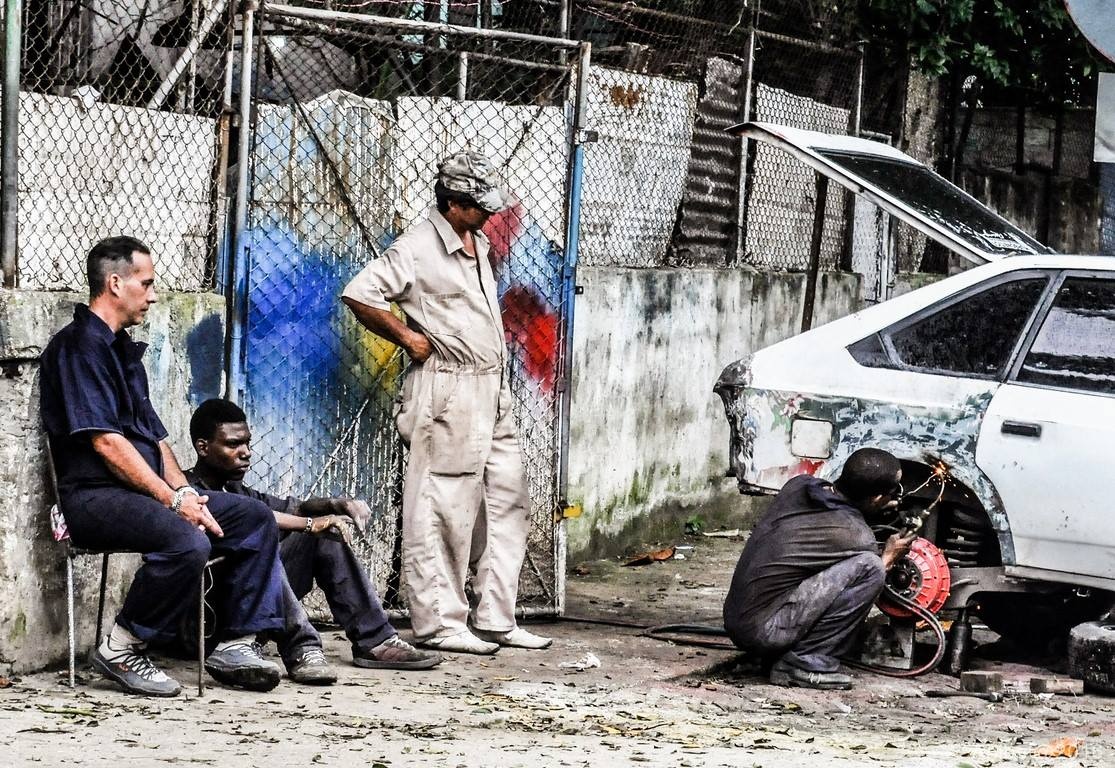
707,221
636,173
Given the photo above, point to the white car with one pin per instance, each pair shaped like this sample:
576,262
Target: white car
998,381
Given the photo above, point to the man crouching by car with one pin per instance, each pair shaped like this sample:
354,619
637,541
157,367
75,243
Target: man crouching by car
811,571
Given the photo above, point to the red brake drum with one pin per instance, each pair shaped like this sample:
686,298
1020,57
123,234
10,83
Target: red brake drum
922,576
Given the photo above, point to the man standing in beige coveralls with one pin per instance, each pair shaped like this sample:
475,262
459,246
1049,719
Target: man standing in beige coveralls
465,503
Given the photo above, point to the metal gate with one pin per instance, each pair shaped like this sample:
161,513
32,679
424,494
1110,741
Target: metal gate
351,116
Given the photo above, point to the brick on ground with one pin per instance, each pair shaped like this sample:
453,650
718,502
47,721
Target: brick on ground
981,682
1065,686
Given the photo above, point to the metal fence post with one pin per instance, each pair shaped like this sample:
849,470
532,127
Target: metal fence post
819,206
9,139
745,149
569,293
855,118
237,286
462,77
565,18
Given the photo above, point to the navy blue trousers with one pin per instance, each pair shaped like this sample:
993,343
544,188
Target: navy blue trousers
352,598
174,555
817,622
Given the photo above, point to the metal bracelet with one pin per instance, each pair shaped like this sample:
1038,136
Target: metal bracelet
179,496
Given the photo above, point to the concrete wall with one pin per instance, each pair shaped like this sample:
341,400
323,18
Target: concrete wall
185,333
648,435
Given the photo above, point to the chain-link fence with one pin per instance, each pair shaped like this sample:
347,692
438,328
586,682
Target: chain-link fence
801,84
121,131
353,115
664,184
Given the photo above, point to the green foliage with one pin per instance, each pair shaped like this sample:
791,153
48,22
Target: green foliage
1027,45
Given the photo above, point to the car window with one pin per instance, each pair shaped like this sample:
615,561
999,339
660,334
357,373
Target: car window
937,200
975,335
1075,347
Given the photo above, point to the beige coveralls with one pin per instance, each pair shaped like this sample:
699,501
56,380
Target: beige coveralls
465,501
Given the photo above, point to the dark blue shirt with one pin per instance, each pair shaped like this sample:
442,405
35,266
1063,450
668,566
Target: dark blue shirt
93,381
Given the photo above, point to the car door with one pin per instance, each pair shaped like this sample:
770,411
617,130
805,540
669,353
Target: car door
1048,437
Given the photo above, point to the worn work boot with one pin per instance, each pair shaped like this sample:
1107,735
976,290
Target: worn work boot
789,676
462,642
311,668
130,668
240,663
395,653
516,638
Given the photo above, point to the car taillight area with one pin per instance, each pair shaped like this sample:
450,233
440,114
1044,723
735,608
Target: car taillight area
771,440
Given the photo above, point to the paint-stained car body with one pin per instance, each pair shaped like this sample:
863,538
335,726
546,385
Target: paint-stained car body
1004,374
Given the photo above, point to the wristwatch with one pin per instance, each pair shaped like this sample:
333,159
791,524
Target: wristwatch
309,525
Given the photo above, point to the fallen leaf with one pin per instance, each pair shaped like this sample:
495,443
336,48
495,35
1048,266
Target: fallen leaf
647,558
43,729
1059,748
71,711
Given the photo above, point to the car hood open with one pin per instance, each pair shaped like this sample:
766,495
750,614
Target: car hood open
904,188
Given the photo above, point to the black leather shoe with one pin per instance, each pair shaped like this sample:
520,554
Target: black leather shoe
789,676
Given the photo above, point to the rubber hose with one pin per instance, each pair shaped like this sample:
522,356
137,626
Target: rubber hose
934,624
658,631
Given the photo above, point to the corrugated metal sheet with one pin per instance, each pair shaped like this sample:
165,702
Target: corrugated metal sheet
707,221
635,174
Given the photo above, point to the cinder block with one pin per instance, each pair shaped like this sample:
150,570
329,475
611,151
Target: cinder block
981,682
1064,686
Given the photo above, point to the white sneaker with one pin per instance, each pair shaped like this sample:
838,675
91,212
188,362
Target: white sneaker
516,638
462,642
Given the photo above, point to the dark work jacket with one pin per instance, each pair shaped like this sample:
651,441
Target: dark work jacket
289,505
808,528
92,381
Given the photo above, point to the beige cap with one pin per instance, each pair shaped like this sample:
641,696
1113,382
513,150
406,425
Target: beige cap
473,174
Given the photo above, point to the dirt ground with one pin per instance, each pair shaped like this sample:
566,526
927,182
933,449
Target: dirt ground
648,702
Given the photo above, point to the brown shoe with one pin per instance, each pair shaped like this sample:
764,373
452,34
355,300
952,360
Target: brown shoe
395,653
